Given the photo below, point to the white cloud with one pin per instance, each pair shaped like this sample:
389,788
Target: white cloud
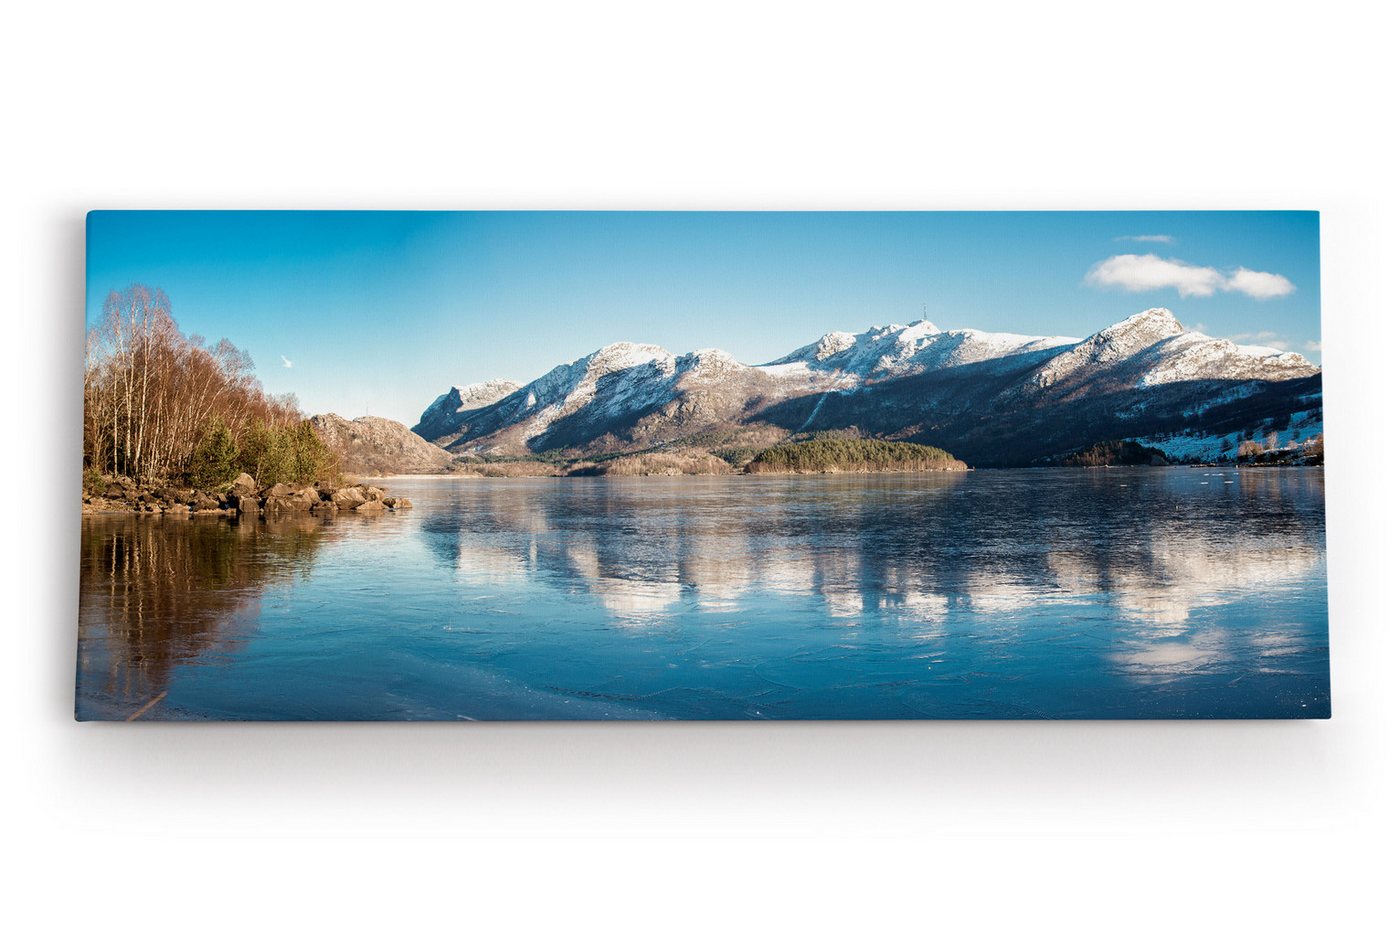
1313,345
1259,285
285,362
1144,272
1148,238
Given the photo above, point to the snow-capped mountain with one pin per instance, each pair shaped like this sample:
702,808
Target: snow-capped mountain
621,396
1153,348
988,397
440,418
916,348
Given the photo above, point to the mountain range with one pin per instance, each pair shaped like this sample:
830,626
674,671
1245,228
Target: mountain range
989,398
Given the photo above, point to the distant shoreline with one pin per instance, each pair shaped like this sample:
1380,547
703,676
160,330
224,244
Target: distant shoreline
457,475
159,500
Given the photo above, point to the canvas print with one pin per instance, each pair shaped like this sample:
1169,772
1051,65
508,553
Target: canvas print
702,465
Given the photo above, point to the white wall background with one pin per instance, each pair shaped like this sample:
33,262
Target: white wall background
696,828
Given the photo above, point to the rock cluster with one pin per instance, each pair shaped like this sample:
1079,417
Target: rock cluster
244,499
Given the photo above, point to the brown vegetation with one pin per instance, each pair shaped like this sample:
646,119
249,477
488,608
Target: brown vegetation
1249,449
159,405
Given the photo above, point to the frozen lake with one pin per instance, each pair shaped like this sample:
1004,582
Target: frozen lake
1075,593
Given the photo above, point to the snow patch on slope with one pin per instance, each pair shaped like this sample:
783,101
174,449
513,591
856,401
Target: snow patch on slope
888,351
1194,356
1303,427
476,395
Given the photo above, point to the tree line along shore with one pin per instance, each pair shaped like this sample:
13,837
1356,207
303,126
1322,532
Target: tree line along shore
174,424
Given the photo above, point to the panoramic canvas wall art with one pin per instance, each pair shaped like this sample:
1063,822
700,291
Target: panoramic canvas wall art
702,465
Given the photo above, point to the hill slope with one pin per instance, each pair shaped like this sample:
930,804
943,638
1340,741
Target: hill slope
372,446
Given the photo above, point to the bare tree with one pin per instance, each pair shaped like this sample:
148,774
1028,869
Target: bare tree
1249,449
150,392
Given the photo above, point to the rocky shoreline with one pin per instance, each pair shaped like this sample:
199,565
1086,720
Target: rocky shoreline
243,498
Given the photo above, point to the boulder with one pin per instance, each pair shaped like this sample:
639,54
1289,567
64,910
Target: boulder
243,486
120,489
323,507
398,503
370,506
308,496
283,504
204,501
279,490
371,492
248,507
348,498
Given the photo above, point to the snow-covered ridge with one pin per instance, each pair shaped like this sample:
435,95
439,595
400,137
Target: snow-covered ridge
477,395
628,393
886,351
446,411
1195,356
1157,349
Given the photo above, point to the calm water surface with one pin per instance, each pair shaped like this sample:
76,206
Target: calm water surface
1127,593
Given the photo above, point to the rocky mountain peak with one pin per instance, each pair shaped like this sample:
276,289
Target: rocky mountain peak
444,413
373,445
621,355
477,395
707,360
1130,336
1151,323
830,344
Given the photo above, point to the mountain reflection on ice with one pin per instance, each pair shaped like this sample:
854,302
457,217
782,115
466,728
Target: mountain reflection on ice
1153,548
894,543
1061,593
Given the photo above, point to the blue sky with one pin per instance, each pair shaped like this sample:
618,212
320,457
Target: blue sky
378,312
